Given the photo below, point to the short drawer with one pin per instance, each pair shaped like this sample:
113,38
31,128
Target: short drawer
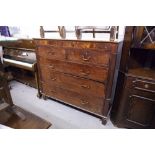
140,84
144,85
73,83
88,56
88,103
86,71
51,52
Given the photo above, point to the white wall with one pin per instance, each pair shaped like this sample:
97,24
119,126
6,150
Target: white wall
25,31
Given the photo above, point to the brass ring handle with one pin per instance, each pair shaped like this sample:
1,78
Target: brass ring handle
85,73
86,58
85,86
83,102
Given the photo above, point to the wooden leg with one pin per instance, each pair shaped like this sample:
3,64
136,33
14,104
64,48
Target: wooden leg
104,121
44,97
39,95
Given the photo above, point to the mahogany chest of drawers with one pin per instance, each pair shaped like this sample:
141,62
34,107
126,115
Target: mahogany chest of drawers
77,73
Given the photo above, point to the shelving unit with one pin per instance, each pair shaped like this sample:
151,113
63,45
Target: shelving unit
134,103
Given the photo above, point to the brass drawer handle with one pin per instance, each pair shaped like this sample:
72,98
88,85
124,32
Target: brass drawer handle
105,47
85,73
85,86
84,102
52,91
51,66
53,79
84,58
134,81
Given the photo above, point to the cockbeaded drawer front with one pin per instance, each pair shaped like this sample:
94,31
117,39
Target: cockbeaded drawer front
73,83
87,56
88,103
81,70
140,84
144,85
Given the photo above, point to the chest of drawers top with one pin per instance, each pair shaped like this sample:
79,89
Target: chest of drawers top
81,44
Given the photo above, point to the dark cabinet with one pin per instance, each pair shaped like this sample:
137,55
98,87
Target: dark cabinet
140,110
134,101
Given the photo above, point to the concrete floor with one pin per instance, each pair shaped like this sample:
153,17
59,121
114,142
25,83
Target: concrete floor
61,116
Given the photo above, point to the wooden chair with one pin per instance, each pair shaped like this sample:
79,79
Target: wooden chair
79,30
61,30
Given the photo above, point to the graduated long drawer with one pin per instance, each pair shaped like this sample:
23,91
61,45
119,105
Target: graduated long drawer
93,72
90,103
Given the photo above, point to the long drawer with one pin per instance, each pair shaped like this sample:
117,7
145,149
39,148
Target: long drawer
73,83
89,103
86,71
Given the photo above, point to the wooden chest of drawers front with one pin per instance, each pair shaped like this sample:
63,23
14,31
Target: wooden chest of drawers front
75,72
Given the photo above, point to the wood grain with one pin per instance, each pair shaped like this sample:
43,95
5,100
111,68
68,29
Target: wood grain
32,121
